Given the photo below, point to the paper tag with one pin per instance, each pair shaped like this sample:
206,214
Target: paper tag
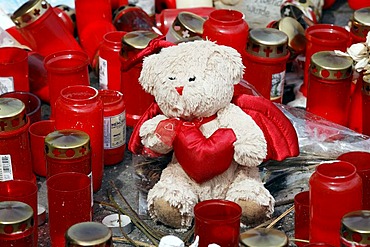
277,85
115,131
6,170
103,73
6,84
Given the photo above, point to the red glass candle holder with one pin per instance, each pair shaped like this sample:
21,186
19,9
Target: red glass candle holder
15,154
65,68
37,133
361,160
359,26
301,216
322,37
217,221
67,151
17,222
43,29
114,126
79,107
227,27
130,18
31,102
89,11
329,88
109,62
366,105
13,70
21,191
335,189
92,36
37,76
137,101
265,62
69,201
167,16
65,18
358,4
355,108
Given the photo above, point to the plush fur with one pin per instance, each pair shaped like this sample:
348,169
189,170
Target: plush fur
207,72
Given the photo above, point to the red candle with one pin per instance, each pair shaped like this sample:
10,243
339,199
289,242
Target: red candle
355,229
366,105
130,18
136,99
17,222
109,62
13,70
67,151
79,107
217,221
65,68
114,126
335,189
329,88
265,62
227,27
360,25
37,76
358,4
323,37
15,151
43,29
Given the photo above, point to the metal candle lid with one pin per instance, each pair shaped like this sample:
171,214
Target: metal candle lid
15,217
67,144
136,40
188,25
29,12
296,34
12,114
360,23
89,234
262,237
267,42
328,65
366,85
356,227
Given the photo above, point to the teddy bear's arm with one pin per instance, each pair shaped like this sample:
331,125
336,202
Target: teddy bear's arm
250,145
150,139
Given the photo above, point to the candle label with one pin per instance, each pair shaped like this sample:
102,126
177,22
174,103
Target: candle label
115,131
6,170
103,73
277,85
6,84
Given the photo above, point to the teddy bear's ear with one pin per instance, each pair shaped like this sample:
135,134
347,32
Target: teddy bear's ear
231,64
148,71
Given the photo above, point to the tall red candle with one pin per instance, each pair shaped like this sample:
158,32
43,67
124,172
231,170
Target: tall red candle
114,126
335,189
136,99
265,62
79,107
360,25
109,62
366,105
43,29
329,88
15,151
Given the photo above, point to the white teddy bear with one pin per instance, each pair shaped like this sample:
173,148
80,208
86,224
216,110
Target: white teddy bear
216,145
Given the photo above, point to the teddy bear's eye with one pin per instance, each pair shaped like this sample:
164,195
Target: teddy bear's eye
192,78
172,78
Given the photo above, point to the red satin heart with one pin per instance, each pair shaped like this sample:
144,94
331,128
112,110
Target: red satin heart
204,158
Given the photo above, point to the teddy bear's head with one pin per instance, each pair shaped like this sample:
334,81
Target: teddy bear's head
192,79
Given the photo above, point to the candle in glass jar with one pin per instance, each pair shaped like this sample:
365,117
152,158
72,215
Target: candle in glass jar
355,229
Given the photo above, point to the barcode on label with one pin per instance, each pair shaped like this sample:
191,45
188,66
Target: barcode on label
6,171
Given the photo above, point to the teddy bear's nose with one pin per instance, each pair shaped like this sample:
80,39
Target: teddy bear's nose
179,90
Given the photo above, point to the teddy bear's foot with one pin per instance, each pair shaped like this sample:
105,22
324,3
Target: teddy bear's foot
168,215
252,212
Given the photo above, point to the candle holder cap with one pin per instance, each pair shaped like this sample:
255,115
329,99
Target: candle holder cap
29,12
330,66
15,217
12,114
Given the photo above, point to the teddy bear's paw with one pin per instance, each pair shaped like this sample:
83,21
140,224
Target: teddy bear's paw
253,213
170,215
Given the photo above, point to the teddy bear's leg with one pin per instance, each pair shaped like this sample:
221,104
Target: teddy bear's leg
249,192
172,199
